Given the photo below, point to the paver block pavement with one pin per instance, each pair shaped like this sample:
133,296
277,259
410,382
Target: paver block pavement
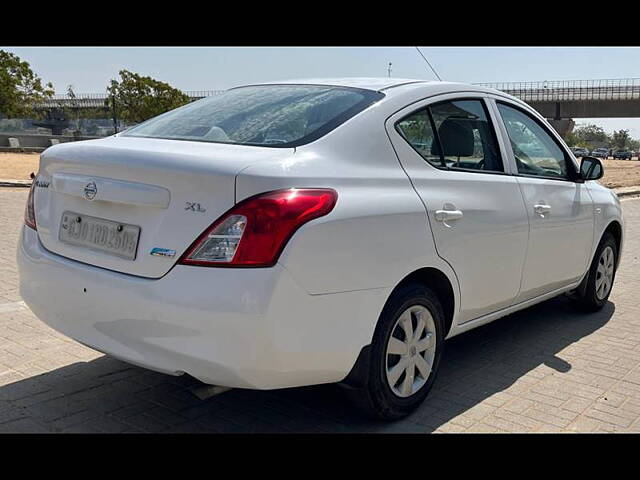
545,369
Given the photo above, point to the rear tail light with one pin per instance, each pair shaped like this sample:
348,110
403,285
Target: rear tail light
254,232
29,211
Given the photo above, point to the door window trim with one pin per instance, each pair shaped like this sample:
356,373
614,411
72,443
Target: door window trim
572,169
490,120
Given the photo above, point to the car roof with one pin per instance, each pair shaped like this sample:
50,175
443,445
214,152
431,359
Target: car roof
410,86
367,83
407,90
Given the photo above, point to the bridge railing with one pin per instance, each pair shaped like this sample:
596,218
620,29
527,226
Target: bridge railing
540,91
569,90
99,100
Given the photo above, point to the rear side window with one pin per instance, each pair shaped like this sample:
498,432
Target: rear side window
454,135
417,130
264,115
466,136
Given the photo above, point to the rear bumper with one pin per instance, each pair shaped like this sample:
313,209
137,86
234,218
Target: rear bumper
247,328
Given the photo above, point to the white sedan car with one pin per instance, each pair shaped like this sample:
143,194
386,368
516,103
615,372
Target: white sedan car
297,233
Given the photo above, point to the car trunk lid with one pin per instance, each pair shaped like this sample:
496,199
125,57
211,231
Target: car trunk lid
159,194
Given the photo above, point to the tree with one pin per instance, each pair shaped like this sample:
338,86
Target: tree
621,139
20,88
588,136
572,140
139,98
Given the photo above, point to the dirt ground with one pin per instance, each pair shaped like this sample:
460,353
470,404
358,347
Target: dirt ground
18,166
617,173
621,173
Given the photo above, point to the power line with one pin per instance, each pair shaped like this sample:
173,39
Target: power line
425,59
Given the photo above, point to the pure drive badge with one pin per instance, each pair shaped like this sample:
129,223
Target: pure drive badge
162,252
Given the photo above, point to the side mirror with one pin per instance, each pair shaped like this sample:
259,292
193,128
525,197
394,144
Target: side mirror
591,168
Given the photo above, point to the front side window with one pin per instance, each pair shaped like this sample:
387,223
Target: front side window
453,135
264,115
535,151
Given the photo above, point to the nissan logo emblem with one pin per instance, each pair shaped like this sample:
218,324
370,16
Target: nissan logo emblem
90,191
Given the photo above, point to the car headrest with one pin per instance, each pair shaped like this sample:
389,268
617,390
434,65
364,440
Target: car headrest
456,136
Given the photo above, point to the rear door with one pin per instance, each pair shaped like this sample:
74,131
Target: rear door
560,209
450,150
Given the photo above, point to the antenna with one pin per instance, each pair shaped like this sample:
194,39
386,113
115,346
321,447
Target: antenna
425,59
389,70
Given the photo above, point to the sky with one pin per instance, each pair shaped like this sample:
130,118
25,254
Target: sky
89,69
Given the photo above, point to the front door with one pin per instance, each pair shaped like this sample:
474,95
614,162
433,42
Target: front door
450,151
560,209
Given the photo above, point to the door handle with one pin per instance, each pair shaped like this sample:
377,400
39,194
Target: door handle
446,215
542,209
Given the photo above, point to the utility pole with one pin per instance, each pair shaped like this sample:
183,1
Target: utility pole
389,70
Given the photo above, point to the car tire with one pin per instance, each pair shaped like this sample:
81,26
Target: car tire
594,291
387,394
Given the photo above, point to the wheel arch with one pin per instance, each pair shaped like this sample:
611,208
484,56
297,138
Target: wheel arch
615,229
441,285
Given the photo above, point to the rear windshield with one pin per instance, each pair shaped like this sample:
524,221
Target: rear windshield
265,115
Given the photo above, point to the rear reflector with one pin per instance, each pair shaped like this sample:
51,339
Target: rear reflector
255,231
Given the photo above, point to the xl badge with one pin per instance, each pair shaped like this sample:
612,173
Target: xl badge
194,207
90,191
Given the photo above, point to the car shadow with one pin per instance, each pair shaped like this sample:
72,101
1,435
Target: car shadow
107,395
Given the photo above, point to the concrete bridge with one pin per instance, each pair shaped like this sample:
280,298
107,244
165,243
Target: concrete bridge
559,101
562,101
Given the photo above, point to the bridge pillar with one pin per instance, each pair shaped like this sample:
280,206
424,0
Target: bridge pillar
563,126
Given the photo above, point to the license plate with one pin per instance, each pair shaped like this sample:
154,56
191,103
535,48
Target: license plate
114,238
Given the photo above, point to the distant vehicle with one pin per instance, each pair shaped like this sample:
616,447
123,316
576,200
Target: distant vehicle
580,152
600,153
622,155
